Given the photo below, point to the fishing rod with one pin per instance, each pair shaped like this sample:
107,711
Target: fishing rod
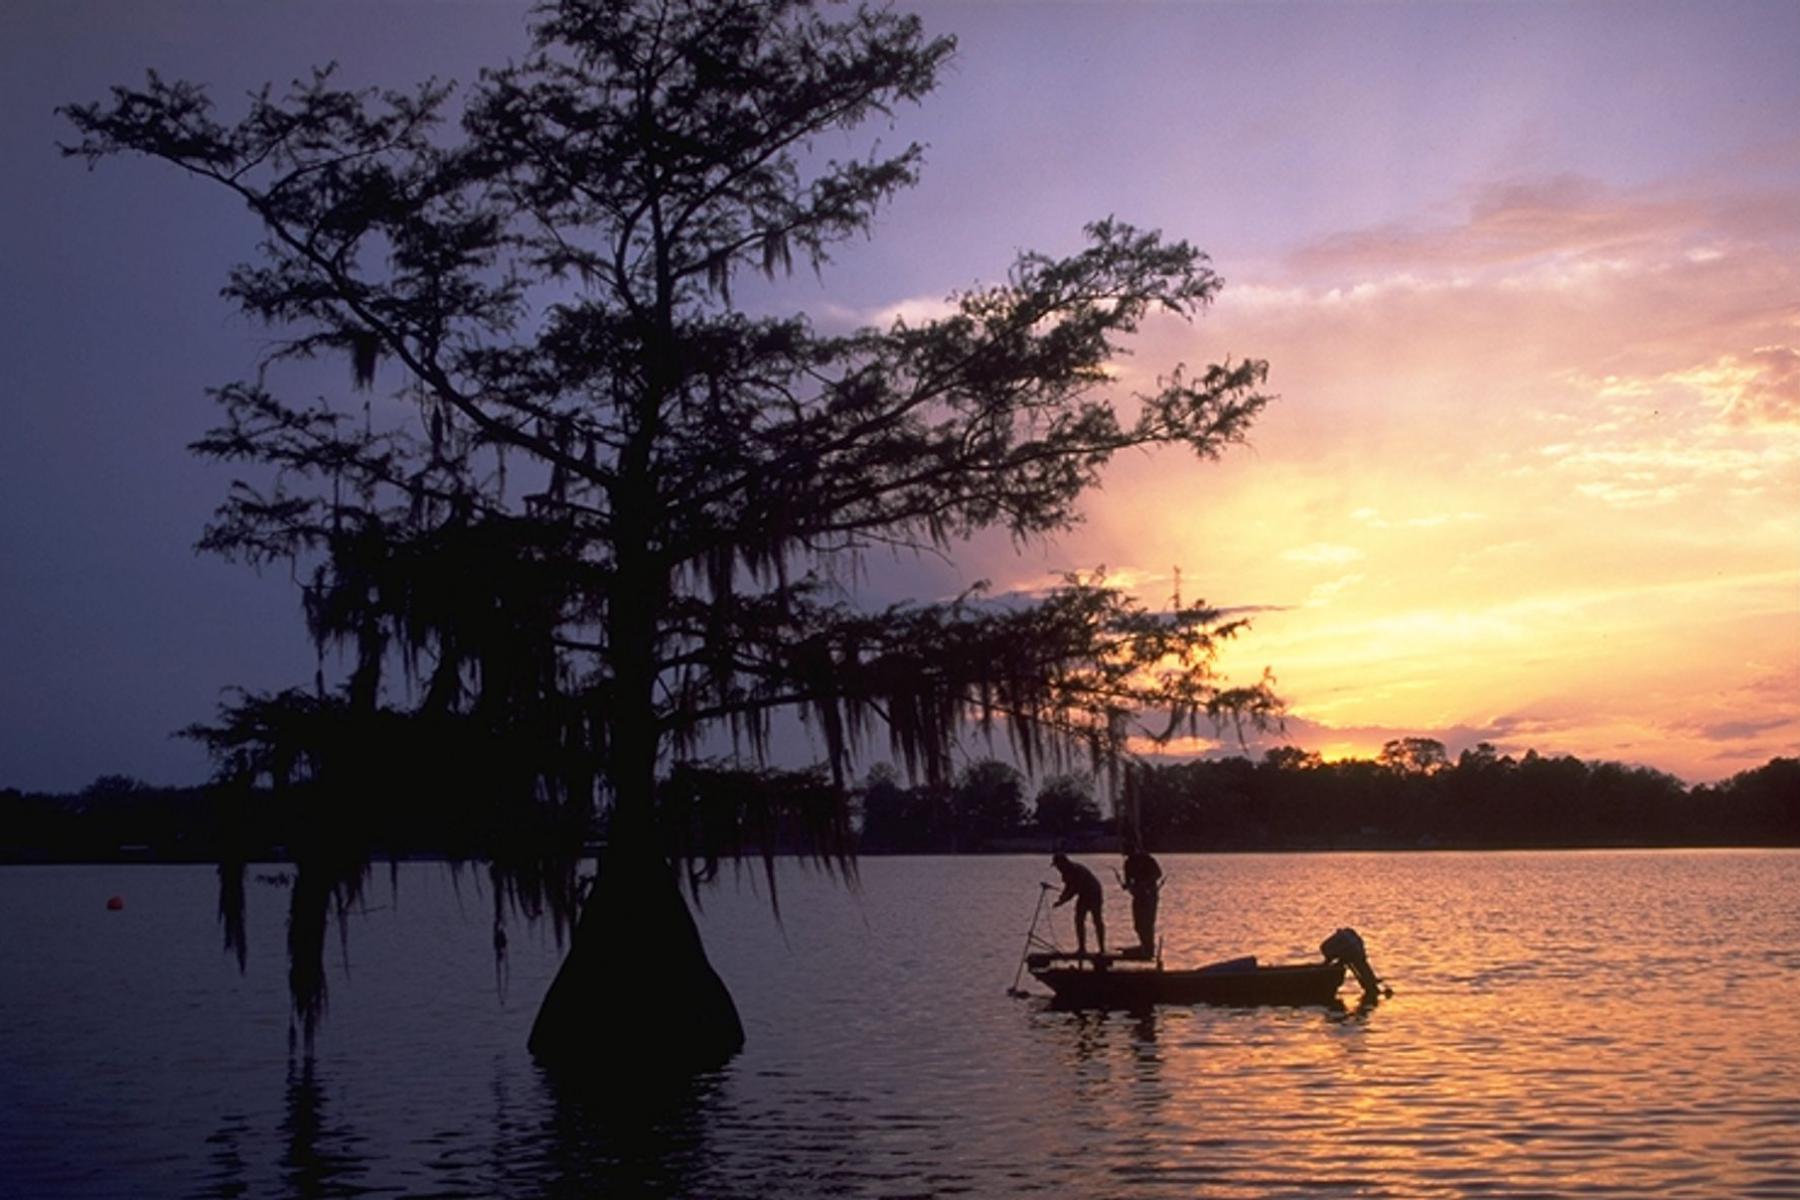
1030,935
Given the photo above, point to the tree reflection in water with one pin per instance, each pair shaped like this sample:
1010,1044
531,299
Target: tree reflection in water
581,1141
318,1159
598,1139
229,1175
322,1159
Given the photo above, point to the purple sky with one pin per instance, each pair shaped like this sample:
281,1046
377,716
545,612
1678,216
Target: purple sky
1524,273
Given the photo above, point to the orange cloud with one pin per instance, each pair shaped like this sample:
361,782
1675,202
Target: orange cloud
1536,460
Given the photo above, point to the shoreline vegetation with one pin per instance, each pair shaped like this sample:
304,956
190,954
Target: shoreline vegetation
1412,798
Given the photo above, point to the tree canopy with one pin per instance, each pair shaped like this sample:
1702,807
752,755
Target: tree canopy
576,518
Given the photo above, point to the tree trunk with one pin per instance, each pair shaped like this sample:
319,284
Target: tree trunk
636,998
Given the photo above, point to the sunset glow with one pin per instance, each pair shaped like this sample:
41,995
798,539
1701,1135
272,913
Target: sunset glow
1534,473
1532,481
1525,275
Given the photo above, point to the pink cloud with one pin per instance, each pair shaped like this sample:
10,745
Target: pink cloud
1514,222
1552,281
1770,391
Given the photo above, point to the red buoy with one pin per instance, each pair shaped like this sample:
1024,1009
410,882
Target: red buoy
115,904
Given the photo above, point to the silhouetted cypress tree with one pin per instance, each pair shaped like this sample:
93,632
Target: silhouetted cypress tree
589,534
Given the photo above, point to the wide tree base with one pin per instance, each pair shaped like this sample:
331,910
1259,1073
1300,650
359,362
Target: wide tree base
636,998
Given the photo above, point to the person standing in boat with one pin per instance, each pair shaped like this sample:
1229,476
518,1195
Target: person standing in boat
1143,879
1081,886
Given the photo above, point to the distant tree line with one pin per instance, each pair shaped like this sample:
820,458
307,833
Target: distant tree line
984,809
118,817
1413,796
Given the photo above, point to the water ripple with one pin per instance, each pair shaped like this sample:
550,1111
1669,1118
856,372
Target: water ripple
1607,1025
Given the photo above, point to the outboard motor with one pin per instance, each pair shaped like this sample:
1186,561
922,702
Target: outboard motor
1346,946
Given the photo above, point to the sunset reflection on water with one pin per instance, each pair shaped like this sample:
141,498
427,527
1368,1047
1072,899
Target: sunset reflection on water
1598,1024
1605,1023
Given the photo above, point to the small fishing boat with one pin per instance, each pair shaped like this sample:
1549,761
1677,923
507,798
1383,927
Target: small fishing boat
1137,978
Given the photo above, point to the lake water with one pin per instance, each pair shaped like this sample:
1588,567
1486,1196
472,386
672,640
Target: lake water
1563,1024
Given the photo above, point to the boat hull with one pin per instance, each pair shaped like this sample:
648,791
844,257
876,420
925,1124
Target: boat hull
1122,987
